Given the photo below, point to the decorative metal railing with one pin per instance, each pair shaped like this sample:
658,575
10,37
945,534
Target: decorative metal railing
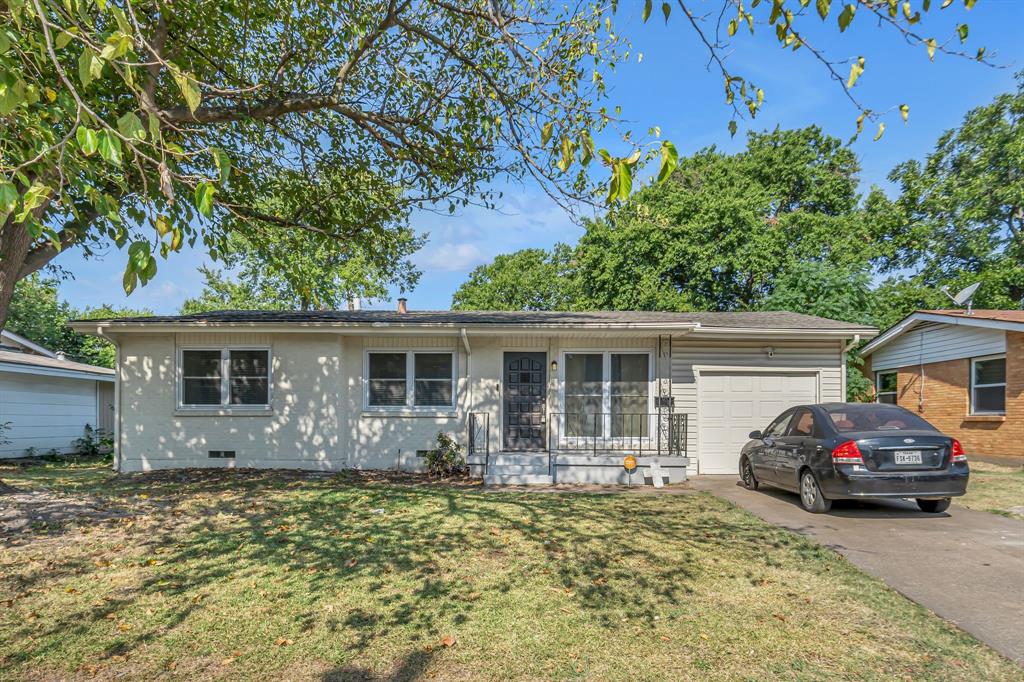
642,433
480,436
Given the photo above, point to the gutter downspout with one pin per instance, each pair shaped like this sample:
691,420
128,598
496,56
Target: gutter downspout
469,367
117,398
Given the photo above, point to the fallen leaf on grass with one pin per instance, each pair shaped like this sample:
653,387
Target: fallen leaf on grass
665,639
448,641
351,562
281,641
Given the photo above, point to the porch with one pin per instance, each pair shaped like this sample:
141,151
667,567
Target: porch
585,448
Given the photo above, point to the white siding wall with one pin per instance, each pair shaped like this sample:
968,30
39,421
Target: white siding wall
934,342
824,357
45,412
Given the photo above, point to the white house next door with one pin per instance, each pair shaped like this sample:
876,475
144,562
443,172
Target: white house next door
734,403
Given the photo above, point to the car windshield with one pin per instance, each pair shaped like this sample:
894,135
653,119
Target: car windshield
877,418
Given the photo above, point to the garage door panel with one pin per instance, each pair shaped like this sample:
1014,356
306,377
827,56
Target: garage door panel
732,404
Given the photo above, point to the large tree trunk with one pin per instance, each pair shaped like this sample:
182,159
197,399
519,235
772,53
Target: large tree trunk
14,245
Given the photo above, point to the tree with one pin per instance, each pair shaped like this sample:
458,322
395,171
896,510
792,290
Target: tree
718,233
38,314
959,217
301,270
154,123
531,279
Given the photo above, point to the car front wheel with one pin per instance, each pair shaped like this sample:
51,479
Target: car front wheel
747,474
934,506
810,495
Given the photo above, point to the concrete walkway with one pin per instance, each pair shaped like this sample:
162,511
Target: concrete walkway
966,566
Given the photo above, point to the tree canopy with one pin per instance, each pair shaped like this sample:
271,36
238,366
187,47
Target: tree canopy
531,279
152,124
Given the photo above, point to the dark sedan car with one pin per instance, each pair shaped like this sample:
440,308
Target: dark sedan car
841,451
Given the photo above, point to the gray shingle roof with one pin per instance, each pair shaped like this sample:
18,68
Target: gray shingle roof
746,320
42,361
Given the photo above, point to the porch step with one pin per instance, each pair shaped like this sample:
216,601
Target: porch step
540,469
503,458
517,479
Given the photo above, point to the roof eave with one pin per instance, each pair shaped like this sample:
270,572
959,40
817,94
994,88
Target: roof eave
908,322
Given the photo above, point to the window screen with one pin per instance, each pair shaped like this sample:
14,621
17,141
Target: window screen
249,372
433,375
584,380
200,380
387,380
988,392
630,393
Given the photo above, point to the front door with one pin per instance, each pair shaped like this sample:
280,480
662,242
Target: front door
523,408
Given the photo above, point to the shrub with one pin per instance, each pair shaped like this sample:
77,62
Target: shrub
94,442
446,459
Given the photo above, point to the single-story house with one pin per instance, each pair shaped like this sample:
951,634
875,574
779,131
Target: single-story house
533,396
46,400
962,371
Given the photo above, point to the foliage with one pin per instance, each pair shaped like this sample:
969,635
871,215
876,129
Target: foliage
303,270
446,459
531,279
154,124
38,314
93,443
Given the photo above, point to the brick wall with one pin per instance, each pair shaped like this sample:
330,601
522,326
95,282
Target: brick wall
946,401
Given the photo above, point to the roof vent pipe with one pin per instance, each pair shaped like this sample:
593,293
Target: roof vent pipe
402,307
61,355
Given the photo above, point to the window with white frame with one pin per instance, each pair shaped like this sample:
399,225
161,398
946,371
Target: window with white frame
410,379
885,387
607,393
988,385
224,377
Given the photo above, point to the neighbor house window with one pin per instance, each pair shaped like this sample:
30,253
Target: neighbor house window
225,377
410,379
988,385
885,387
607,393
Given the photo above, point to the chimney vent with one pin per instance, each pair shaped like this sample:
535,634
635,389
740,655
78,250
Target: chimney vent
402,307
61,355
353,303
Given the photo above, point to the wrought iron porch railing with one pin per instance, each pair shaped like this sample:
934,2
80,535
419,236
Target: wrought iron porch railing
480,436
642,433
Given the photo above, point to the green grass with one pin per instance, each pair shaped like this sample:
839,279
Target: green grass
995,488
272,576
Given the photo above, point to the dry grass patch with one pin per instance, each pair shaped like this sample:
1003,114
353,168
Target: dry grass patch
995,488
273,575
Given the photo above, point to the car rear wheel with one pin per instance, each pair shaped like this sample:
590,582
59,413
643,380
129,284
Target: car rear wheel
933,506
747,475
810,495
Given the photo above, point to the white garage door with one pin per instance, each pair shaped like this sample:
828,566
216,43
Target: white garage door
732,404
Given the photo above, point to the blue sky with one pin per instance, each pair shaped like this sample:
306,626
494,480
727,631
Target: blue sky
671,88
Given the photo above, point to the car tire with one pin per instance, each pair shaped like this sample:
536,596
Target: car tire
810,494
934,506
747,475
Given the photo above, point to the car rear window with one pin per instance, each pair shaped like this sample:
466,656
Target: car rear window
878,418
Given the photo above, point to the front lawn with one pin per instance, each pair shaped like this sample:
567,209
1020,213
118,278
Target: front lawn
995,488
283,576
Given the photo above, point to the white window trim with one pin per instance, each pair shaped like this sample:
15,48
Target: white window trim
410,382
997,356
225,406
878,385
606,394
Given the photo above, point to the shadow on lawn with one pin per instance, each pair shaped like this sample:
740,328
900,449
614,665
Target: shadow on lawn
317,535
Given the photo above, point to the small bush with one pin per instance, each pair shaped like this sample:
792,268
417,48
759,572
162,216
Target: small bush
446,459
93,443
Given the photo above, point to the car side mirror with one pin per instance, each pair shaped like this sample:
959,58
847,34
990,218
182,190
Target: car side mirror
755,435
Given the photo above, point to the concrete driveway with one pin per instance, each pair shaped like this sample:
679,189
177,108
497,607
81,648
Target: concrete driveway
966,566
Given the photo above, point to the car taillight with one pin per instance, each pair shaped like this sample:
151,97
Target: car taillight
847,453
958,452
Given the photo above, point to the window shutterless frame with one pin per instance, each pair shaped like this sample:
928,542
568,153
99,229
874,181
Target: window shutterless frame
879,392
992,384
606,392
225,379
410,381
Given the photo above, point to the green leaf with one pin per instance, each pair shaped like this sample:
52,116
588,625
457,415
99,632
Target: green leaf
646,14
881,131
223,163
545,133
129,281
87,141
90,67
624,172
188,88
11,96
962,32
946,3
969,4
732,27
732,128
204,198
905,112
8,197
856,69
666,9
148,271
162,225
931,48
669,160
823,8
981,54
846,16
5,41
122,20
567,155
130,126
110,147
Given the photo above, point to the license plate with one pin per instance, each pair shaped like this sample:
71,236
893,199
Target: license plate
908,457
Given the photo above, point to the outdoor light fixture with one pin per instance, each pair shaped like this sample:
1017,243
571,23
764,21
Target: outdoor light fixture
554,366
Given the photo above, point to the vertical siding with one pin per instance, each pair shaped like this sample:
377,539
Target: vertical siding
105,406
44,412
690,351
934,342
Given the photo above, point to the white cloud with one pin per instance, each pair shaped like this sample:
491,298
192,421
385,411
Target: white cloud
450,257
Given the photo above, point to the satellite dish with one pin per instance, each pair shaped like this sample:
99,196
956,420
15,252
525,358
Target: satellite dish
964,297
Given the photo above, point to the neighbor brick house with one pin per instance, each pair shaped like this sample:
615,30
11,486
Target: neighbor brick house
963,372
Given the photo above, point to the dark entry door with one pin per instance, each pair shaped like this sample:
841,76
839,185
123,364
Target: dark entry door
525,388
